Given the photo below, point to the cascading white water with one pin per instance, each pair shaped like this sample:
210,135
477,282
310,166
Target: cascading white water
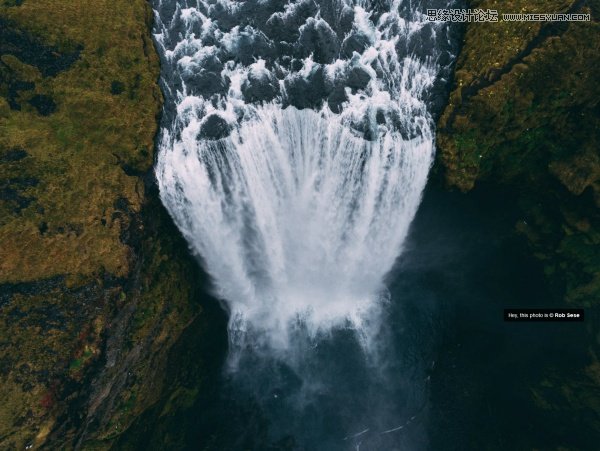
296,152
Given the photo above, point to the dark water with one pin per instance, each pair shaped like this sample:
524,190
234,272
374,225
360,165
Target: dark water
448,374
466,261
444,372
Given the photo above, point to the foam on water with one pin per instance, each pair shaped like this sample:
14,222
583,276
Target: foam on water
294,150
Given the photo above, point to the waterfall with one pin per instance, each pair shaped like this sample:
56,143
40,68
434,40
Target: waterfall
294,149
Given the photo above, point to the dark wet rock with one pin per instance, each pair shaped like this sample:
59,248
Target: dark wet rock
346,21
284,27
44,104
260,87
317,38
214,127
166,11
212,63
222,15
258,12
371,126
339,15
445,58
309,92
420,43
437,97
402,44
285,49
206,83
296,64
358,78
355,42
336,98
250,46
277,29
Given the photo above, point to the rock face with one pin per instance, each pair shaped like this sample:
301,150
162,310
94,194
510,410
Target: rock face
95,282
524,116
96,287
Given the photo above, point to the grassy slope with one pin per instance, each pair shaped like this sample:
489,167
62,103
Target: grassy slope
93,293
524,115
75,151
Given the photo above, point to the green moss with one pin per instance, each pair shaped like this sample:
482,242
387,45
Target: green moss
466,142
78,363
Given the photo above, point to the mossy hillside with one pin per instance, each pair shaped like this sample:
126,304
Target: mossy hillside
524,116
503,40
95,283
536,127
77,153
81,363
155,308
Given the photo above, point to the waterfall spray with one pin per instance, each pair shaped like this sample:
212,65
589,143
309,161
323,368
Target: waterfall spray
294,151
